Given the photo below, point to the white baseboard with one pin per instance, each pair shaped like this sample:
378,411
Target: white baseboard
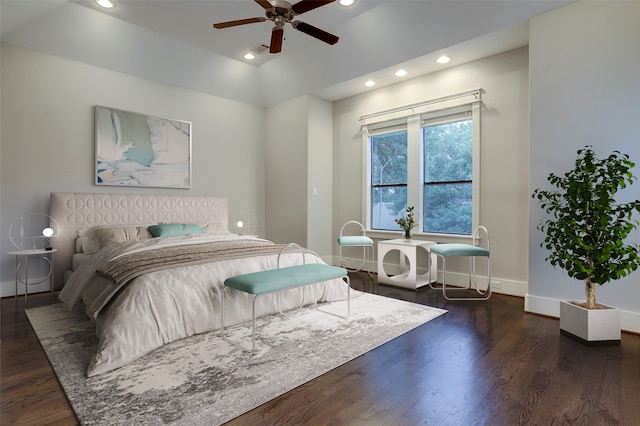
352,263
629,321
499,285
8,288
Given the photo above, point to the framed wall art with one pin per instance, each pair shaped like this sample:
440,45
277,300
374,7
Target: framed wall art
140,150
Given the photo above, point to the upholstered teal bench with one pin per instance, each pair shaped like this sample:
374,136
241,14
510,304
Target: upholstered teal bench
280,279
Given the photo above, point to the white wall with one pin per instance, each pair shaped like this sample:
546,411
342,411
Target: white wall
47,137
504,183
286,165
584,60
299,165
320,178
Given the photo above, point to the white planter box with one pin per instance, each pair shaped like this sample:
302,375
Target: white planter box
590,326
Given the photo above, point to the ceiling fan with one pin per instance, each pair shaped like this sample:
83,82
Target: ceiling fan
281,12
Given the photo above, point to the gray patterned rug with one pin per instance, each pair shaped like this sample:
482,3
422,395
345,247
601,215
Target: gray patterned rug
205,380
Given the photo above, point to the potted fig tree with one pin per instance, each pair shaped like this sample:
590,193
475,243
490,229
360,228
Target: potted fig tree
586,230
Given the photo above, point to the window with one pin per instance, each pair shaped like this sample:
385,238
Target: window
388,178
429,161
448,176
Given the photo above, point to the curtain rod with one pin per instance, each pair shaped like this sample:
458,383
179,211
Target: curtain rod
476,92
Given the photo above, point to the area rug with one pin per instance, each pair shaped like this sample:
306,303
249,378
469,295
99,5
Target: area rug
206,380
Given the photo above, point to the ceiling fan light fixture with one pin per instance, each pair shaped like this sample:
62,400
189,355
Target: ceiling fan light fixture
107,4
250,56
279,21
443,59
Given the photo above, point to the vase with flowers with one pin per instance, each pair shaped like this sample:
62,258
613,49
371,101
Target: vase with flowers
407,223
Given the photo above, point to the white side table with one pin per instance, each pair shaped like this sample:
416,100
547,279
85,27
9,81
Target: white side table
45,254
409,277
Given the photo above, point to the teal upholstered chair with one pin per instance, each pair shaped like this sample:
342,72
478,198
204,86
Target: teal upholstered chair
472,251
360,240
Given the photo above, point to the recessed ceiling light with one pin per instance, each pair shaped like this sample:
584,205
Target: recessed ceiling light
369,83
107,4
249,56
443,59
346,2
401,73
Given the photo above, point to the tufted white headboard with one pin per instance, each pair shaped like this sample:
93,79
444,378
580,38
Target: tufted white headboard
73,211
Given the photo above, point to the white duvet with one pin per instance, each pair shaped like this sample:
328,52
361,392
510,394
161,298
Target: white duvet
160,307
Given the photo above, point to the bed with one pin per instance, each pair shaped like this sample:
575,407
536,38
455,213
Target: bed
149,269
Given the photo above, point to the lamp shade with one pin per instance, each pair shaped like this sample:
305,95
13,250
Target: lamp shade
33,231
246,222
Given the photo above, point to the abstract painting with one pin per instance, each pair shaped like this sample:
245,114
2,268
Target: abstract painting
139,150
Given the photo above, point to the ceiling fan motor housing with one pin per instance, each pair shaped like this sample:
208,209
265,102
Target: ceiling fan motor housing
280,14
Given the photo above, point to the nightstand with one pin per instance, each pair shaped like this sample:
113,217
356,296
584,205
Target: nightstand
26,254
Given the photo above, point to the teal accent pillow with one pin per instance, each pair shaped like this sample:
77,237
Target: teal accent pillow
175,229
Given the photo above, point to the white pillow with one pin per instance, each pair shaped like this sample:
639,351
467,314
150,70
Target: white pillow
215,228
121,234
88,240
94,238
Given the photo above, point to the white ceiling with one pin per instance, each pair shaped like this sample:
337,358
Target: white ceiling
173,41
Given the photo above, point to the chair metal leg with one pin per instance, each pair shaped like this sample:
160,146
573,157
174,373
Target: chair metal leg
364,259
364,255
473,284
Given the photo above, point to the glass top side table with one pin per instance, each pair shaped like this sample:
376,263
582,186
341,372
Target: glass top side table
26,254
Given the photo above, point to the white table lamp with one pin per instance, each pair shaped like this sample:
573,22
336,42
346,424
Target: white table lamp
246,224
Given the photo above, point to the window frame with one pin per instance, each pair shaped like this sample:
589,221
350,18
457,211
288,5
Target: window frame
385,128
414,124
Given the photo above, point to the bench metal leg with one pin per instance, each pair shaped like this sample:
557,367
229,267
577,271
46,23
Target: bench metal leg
253,319
348,282
253,324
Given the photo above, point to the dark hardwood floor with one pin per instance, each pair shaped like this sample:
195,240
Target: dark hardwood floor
482,363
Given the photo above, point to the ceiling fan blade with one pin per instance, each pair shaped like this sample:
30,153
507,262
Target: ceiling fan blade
264,3
315,32
277,34
238,22
307,5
